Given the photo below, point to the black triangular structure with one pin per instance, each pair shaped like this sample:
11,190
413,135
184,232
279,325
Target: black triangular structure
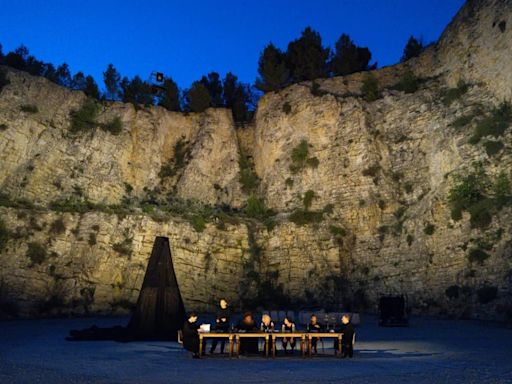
160,312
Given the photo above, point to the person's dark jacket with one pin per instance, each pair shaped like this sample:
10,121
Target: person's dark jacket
248,345
223,316
348,333
314,327
190,336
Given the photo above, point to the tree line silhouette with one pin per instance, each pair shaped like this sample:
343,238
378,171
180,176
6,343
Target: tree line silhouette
304,59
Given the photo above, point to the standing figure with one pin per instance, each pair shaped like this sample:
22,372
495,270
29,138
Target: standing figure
247,324
288,326
190,335
314,327
347,347
222,324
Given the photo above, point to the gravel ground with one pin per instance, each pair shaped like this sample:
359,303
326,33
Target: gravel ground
429,351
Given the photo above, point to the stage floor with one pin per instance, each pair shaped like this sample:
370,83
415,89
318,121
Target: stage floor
34,351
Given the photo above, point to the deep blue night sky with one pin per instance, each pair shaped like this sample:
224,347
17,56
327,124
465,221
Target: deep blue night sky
186,39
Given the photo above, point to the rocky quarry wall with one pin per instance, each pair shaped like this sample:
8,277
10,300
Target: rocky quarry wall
325,199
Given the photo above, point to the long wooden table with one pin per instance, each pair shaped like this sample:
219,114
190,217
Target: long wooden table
333,335
294,335
241,335
270,340
229,336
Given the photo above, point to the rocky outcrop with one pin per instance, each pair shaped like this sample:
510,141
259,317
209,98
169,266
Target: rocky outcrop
359,190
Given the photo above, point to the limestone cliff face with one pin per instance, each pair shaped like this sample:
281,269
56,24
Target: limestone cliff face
41,160
378,175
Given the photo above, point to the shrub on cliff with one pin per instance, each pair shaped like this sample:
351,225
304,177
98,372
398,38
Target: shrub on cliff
84,119
494,124
408,83
479,196
36,252
370,88
29,108
308,199
114,126
3,79
477,255
4,235
448,96
58,226
303,217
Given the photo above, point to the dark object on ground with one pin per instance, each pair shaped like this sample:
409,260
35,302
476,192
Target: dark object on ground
159,313
392,312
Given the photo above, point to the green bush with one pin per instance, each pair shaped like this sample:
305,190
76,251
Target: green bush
486,294
493,147
301,217
315,89
477,255
4,235
198,223
299,156
408,83
337,231
494,124
92,239
399,212
502,190
58,226
307,200
370,88
409,239
372,171
255,207
429,229
481,213
467,194
289,182
3,127
124,247
29,108
181,156
115,126
462,121
36,252
247,177
313,162
452,94
3,79
84,119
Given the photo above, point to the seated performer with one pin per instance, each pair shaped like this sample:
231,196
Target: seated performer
267,325
347,348
288,326
190,335
314,327
247,324
222,324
